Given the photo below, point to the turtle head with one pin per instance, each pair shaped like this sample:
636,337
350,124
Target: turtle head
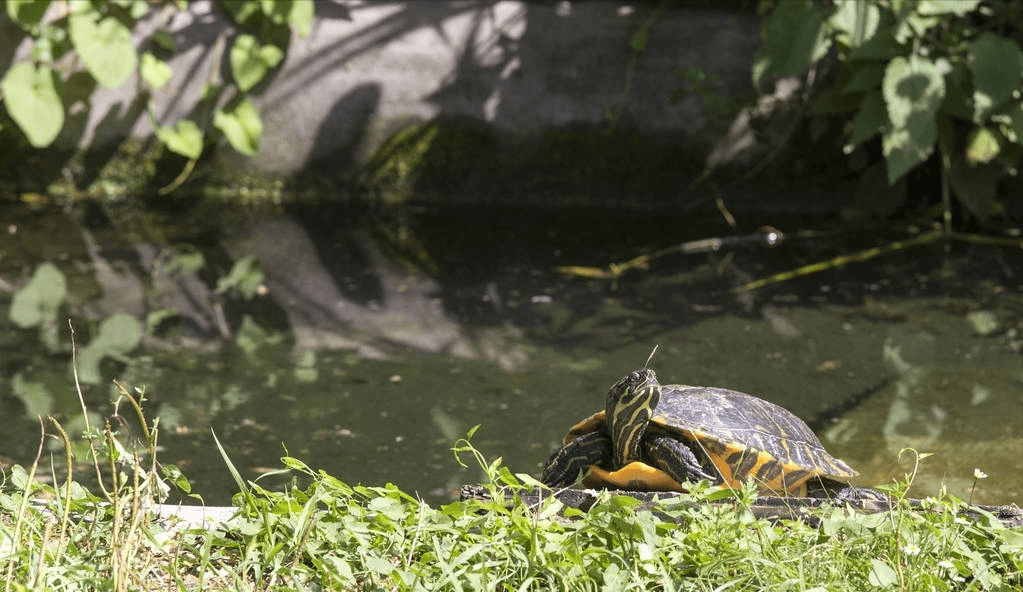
630,404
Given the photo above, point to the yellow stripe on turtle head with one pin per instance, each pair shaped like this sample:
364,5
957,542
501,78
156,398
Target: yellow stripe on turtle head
630,403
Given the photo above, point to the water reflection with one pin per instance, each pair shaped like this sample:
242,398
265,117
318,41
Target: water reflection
368,352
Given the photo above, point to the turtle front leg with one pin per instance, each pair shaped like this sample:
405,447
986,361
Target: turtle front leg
568,462
824,488
672,456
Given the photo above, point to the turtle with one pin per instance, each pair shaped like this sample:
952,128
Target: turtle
657,437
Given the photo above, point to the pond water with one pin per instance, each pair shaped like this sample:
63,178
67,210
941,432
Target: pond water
372,342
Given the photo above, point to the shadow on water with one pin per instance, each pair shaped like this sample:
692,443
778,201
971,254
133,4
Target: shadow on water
371,343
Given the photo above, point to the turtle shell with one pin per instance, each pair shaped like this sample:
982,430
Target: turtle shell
742,435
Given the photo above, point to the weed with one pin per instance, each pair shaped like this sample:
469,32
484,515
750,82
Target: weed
337,536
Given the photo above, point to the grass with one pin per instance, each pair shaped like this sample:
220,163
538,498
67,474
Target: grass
331,535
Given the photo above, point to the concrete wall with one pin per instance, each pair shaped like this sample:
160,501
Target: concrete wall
367,68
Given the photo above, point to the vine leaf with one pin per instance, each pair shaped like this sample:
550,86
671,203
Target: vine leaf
185,138
997,67
795,38
27,13
155,71
33,100
105,45
975,185
241,126
250,61
913,89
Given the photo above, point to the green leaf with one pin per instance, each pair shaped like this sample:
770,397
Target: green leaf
185,263
832,102
936,7
913,26
27,13
1009,158
38,301
882,575
294,12
251,337
1012,540
211,91
301,16
239,10
997,67
50,45
105,45
34,102
1010,122
165,41
866,76
117,335
155,71
174,475
948,141
958,101
250,61
870,120
245,275
241,126
157,316
974,185
233,470
982,146
276,11
794,38
379,565
913,90
185,138
138,8
881,45
855,21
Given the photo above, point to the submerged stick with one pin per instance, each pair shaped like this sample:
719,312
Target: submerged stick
766,236
840,261
769,236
